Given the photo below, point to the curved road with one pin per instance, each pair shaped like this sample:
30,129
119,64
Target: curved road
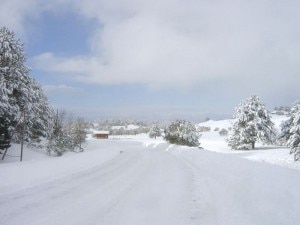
153,186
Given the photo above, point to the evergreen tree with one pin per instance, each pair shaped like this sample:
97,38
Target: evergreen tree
13,75
39,115
290,131
182,132
19,93
154,131
59,140
252,123
285,131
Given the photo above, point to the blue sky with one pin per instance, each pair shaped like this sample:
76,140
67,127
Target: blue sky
159,60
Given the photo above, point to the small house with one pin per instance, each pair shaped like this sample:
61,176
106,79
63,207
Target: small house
101,134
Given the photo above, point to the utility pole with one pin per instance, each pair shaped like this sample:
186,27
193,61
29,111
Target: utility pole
23,132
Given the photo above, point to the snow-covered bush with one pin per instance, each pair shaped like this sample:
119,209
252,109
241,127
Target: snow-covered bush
252,123
217,129
154,131
203,129
223,132
182,132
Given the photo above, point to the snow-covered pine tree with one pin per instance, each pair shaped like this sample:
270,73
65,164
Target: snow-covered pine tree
252,123
19,92
290,131
59,140
154,131
182,132
285,134
41,116
287,124
12,74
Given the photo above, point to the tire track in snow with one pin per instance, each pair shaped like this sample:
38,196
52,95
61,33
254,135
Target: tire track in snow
76,192
237,191
189,169
203,197
161,196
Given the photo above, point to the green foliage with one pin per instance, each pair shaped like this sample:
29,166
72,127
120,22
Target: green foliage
182,132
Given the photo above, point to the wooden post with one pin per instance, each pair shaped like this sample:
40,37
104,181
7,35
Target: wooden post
4,154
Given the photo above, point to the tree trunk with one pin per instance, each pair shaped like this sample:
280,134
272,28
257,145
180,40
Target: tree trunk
253,145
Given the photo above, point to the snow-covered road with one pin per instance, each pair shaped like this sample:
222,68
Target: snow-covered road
148,185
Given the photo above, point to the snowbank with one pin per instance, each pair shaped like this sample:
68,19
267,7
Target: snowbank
37,167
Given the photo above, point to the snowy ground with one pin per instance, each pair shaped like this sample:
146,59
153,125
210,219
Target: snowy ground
135,180
280,156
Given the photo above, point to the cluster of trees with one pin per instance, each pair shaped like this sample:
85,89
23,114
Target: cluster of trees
253,123
24,109
282,110
66,135
121,127
124,131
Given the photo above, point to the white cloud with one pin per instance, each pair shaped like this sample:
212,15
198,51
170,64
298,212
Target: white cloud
15,14
61,89
179,43
186,43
